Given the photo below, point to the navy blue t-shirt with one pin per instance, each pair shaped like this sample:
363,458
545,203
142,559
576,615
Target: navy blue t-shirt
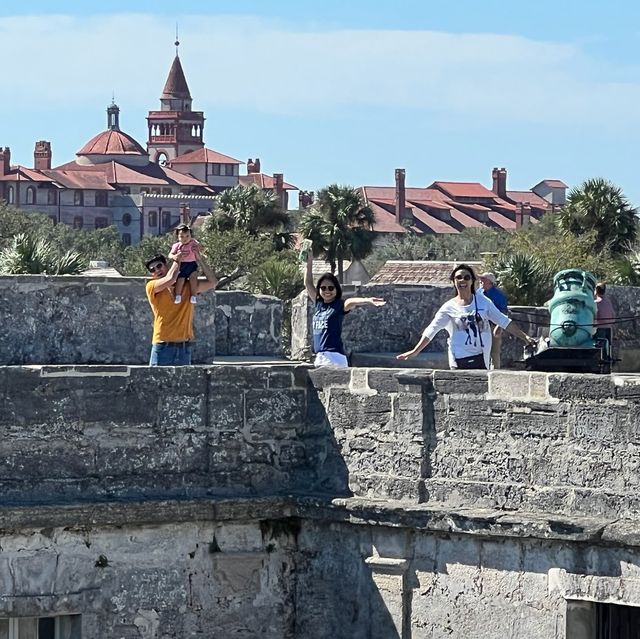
498,298
327,326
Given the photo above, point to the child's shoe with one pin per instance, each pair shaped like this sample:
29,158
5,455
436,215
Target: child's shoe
178,299
194,299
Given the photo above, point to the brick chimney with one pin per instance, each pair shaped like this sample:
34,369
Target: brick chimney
400,198
5,160
278,189
499,177
42,155
518,215
185,213
253,166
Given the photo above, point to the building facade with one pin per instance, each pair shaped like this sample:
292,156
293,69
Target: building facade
115,181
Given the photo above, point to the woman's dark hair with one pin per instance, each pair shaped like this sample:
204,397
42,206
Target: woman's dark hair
464,267
334,280
601,288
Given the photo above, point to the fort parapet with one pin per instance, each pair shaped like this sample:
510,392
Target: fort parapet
281,501
107,320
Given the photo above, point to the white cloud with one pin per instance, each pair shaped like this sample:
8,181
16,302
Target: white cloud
269,66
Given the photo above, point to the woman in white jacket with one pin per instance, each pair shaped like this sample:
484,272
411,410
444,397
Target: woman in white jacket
466,318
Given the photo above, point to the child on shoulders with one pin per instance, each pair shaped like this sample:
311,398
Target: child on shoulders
189,250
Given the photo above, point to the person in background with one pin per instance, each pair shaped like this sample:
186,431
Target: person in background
605,314
172,321
499,299
328,313
466,318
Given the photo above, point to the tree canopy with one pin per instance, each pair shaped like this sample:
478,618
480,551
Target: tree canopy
600,206
340,226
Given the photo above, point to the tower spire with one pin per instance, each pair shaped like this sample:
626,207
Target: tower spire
177,42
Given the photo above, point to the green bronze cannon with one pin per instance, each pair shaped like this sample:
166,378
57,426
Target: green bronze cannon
572,309
572,344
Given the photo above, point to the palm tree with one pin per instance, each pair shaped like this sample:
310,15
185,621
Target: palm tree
600,205
251,209
32,255
525,278
340,226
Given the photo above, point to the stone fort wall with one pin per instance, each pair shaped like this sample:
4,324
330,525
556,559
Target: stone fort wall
397,326
280,501
107,320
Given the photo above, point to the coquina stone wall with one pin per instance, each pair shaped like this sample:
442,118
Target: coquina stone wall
397,326
282,501
100,320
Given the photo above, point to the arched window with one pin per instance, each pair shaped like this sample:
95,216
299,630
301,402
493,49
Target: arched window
153,218
11,195
31,195
126,220
161,158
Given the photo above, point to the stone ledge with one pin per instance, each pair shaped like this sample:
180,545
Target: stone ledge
436,518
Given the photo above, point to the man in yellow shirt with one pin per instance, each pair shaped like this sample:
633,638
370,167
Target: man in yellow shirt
172,323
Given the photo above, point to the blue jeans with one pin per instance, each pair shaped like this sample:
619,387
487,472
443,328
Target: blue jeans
170,354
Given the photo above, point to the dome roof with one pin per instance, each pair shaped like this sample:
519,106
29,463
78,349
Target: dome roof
112,142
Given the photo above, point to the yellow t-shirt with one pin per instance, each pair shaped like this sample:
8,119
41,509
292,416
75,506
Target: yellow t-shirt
171,322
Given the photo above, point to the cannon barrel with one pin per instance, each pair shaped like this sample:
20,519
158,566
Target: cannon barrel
572,309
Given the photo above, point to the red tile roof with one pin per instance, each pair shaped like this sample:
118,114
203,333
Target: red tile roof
264,181
502,221
463,189
81,179
151,174
434,224
112,142
29,175
385,221
204,155
554,184
528,196
465,220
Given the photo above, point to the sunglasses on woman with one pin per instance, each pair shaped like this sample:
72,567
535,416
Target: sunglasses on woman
328,288
463,277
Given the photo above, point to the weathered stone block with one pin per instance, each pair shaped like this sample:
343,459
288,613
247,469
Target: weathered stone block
461,382
563,386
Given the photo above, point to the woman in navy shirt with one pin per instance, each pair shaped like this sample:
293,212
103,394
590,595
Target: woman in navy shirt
328,314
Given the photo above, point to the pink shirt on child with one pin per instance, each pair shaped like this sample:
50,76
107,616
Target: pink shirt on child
189,250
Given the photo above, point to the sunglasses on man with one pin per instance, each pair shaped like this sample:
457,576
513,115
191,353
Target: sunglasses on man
155,267
328,288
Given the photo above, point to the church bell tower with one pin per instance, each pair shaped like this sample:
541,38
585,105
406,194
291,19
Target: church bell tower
175,129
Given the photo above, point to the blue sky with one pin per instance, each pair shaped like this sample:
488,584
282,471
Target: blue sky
343,91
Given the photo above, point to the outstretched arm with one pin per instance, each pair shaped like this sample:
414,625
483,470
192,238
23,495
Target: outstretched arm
168,280
308,277
352,302
516,331
211,280
420,346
